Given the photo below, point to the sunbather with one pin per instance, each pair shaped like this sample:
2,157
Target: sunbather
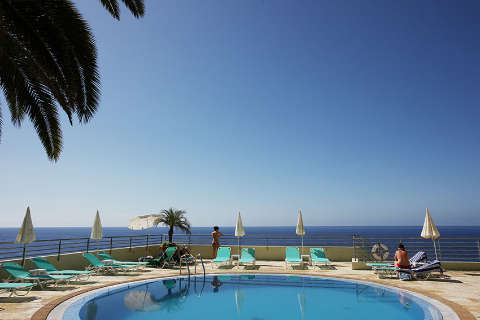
401,258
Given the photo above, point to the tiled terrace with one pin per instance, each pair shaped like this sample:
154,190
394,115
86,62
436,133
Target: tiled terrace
461,292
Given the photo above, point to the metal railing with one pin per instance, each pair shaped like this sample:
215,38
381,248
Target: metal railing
448,249
13,251
268,240
466,249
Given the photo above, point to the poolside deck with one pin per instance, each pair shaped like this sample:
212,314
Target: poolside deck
461,292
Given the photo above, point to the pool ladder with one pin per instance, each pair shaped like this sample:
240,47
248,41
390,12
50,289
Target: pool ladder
199,256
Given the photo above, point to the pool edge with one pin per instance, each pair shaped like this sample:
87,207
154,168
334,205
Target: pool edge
461,312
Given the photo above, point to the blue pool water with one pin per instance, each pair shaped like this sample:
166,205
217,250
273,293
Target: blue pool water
252,297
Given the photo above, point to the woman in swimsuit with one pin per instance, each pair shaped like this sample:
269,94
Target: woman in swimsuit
216,240
401,258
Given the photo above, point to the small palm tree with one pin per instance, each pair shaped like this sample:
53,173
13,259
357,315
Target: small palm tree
174,218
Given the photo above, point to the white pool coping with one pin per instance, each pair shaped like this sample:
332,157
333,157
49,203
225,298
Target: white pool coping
58,312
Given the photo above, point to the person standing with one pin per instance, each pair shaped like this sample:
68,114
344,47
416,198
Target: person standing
216,240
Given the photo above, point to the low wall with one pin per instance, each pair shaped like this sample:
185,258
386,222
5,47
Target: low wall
75,261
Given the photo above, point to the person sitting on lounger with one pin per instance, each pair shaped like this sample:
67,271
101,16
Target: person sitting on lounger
401,258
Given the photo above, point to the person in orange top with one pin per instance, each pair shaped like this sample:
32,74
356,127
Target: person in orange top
401,258
216,240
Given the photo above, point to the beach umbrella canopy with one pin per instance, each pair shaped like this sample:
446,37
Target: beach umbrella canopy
96,232
300,229
144,222
239,230
25,234
429,230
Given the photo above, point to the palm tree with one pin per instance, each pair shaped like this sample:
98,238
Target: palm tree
48,59
174,218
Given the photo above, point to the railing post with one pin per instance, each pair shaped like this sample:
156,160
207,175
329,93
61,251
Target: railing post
88,244
354,248
111,243
59,249
478,244
148,240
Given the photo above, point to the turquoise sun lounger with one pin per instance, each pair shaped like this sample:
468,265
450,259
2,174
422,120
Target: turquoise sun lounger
43,263
20,274
106,256
166,259
318,256
292,256
13,288
223,256
98,266
247,256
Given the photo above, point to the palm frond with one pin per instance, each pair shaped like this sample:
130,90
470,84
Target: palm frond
175,218
136,7
112,7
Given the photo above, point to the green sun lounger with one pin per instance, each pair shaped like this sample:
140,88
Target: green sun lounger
223,256
292,256
98,266
166,259
247,256
19,274
43,263
318,256
13,288
106,256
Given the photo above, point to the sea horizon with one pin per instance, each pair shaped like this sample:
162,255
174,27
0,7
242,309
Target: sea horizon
8,234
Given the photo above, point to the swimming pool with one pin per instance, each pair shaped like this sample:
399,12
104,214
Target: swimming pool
249,296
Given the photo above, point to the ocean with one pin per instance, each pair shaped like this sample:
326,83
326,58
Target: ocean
323,236
47,233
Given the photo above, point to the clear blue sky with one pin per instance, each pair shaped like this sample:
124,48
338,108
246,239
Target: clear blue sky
356,112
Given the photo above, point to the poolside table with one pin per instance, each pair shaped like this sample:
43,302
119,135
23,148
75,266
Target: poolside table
307,258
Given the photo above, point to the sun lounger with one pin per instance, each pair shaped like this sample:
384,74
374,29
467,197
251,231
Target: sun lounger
422,272
418,258
166,259
98,266
318,256
223,256
247,256
106,256
43,263
385,270
21,275
292,256
14,288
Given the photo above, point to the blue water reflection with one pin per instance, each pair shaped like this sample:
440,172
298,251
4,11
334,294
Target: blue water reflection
258,297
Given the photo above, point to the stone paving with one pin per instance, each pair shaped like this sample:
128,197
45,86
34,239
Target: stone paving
461,291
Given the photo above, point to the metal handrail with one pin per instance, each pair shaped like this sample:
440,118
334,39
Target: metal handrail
452,248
